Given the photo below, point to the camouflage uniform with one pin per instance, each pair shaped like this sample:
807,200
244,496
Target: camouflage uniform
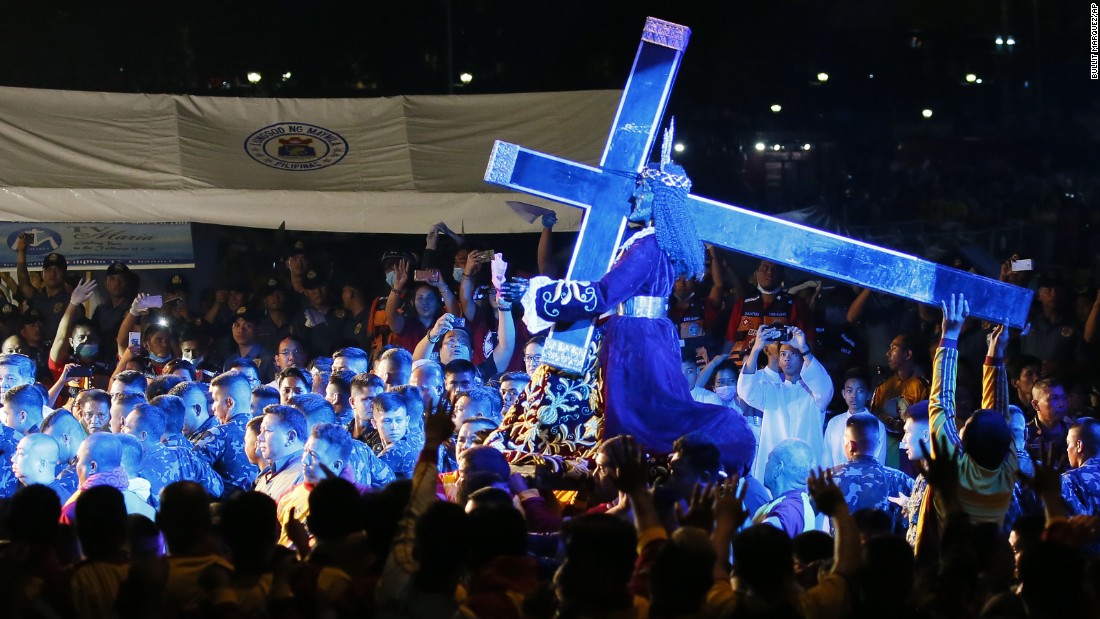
1081,488
401,456
200,432
222,447
67,479
368,469
160,466
370,437
867,484
9,440
194,468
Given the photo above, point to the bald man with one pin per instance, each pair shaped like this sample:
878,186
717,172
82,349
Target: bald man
99,463
788,466
35,462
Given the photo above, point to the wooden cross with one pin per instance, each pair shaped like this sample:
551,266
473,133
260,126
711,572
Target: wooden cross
605,192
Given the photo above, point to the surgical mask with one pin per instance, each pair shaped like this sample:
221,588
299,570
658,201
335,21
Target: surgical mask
158,359
726,392
458,273
391,277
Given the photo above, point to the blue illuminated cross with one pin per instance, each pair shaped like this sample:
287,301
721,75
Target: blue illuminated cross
605,193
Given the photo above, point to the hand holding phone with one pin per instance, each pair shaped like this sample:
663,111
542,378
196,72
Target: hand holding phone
151,301
1023,264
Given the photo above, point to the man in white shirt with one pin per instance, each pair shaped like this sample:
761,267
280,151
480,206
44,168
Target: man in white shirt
857,393
794,408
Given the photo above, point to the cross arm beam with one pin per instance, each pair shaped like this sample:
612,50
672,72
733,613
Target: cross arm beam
855,262
550,177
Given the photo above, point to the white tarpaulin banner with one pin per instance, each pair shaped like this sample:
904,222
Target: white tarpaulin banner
355,165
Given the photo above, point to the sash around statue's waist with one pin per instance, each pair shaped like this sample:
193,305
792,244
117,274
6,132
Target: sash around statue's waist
644,307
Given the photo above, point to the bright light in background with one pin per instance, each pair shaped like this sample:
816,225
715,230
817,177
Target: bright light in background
999,40
760,146
777,108
870,76
1010,41
979,81
678,147
254,78
823,77
465,78
926,112
971,78
776,147
286,76
805,147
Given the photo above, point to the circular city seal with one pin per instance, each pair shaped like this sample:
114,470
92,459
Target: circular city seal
296,146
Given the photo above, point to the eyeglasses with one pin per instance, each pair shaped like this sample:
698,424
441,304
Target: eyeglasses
532,358
288,353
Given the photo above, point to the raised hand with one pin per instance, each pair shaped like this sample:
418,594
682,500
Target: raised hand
549,219
941,469
82,292
432,239
998,342
630,472
436,280
798,339
442,325
826,494
700,510
513,290
1046,482
955,311
136,308
401,274
473,265
297,533
438,427
729,503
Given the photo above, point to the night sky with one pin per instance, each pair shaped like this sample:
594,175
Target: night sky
886,61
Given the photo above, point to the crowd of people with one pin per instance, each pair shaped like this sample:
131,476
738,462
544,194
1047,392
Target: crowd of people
304,446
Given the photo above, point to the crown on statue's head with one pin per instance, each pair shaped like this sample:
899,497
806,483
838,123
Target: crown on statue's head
667,172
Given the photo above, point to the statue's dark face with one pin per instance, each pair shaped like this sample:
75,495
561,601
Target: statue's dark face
642,202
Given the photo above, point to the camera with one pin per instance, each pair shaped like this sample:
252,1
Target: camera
458,323
87,371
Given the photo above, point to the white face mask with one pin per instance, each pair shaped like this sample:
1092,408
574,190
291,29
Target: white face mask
391,278
726,392
458,273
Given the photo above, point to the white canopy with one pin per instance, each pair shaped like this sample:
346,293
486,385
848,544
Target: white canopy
393,165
